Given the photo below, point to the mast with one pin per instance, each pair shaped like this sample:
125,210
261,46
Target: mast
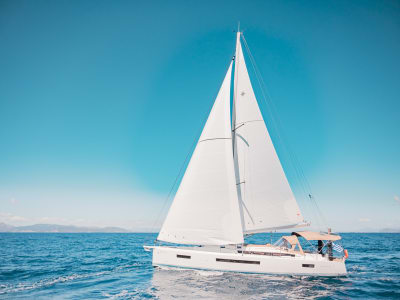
234,144
235,88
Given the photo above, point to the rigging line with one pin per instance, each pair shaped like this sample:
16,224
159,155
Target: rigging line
320,212
174,184
269,108
275,122
238,127
293,159
311,195
191,149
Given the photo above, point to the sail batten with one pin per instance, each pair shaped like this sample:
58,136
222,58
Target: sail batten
269,229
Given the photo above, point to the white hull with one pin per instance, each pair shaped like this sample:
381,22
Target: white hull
269,260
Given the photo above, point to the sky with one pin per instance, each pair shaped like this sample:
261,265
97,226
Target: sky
101,101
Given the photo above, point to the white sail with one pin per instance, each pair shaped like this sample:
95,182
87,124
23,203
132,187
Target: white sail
267,201
205,210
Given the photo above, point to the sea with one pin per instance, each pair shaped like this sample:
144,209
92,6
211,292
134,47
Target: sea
115,266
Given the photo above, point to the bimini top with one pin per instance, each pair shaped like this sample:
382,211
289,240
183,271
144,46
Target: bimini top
314,236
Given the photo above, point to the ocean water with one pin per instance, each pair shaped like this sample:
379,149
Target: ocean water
115,266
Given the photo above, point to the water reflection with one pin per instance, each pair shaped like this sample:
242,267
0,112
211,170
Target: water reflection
168,283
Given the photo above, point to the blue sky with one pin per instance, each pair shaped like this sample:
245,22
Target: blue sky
100,102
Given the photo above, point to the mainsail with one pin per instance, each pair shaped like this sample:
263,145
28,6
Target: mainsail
266,199
205,210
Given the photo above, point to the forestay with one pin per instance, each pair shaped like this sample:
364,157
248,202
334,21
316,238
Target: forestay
267,201
206,210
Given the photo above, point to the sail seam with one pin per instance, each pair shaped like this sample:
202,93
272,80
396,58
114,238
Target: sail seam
212,139
242,123
267,229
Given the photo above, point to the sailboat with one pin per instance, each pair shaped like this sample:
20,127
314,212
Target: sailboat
234,186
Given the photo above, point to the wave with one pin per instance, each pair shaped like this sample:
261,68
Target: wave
46,282
7,289
206,273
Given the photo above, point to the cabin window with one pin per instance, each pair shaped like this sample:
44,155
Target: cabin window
308,265
183,256
253,262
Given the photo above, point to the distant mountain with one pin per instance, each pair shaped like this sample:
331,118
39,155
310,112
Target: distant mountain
390,230
6,228
58,228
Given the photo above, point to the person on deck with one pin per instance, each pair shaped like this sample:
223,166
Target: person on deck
320,246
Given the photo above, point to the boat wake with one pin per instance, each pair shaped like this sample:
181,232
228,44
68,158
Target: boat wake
8,289
5,289
171,283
